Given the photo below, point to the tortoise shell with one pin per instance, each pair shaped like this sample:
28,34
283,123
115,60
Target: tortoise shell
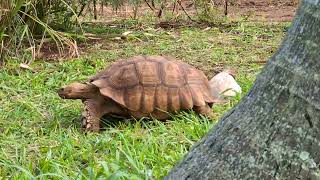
146,84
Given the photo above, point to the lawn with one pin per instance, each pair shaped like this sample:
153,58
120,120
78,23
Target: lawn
40,134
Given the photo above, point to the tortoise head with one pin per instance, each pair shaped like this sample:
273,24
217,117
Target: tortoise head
78,91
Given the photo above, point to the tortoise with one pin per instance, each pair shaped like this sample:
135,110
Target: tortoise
142,86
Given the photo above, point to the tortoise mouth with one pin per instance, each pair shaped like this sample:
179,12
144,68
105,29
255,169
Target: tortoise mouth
62,93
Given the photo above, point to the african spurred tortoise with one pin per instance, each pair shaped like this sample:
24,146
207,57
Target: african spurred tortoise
142,86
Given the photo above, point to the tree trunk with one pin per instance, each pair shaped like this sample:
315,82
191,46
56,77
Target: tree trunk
274,132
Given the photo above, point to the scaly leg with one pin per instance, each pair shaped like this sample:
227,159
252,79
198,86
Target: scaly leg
91,116
204,110
96,108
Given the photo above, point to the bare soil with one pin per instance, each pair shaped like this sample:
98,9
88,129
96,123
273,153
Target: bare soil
267,10
261,10
254,10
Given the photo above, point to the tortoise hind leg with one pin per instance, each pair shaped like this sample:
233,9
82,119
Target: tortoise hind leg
204,110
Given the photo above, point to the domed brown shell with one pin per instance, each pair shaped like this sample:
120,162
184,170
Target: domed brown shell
145,84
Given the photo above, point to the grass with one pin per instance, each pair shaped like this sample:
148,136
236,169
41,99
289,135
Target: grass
40,135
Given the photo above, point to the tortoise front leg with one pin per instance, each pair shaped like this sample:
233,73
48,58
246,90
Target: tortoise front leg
93,111
95,108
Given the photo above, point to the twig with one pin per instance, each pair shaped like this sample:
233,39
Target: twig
101,8
258,62
149,5
1,54
185,11
95,9
174,6
82,8
160,11
152,4
135,11
226,8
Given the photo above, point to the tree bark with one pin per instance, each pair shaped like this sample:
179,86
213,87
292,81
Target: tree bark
274,132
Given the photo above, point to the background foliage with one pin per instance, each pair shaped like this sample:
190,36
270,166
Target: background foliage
26,24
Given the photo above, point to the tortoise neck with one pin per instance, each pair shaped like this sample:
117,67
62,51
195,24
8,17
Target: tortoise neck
90,91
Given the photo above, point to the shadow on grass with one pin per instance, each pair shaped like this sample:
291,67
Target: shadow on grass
112,121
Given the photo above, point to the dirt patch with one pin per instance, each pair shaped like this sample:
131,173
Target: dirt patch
50,51
253,10
261,10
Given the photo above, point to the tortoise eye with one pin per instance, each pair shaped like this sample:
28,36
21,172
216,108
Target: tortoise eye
61,90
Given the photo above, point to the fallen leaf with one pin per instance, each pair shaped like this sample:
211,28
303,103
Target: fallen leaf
207,29
26,66
126,33
148,34
116,38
